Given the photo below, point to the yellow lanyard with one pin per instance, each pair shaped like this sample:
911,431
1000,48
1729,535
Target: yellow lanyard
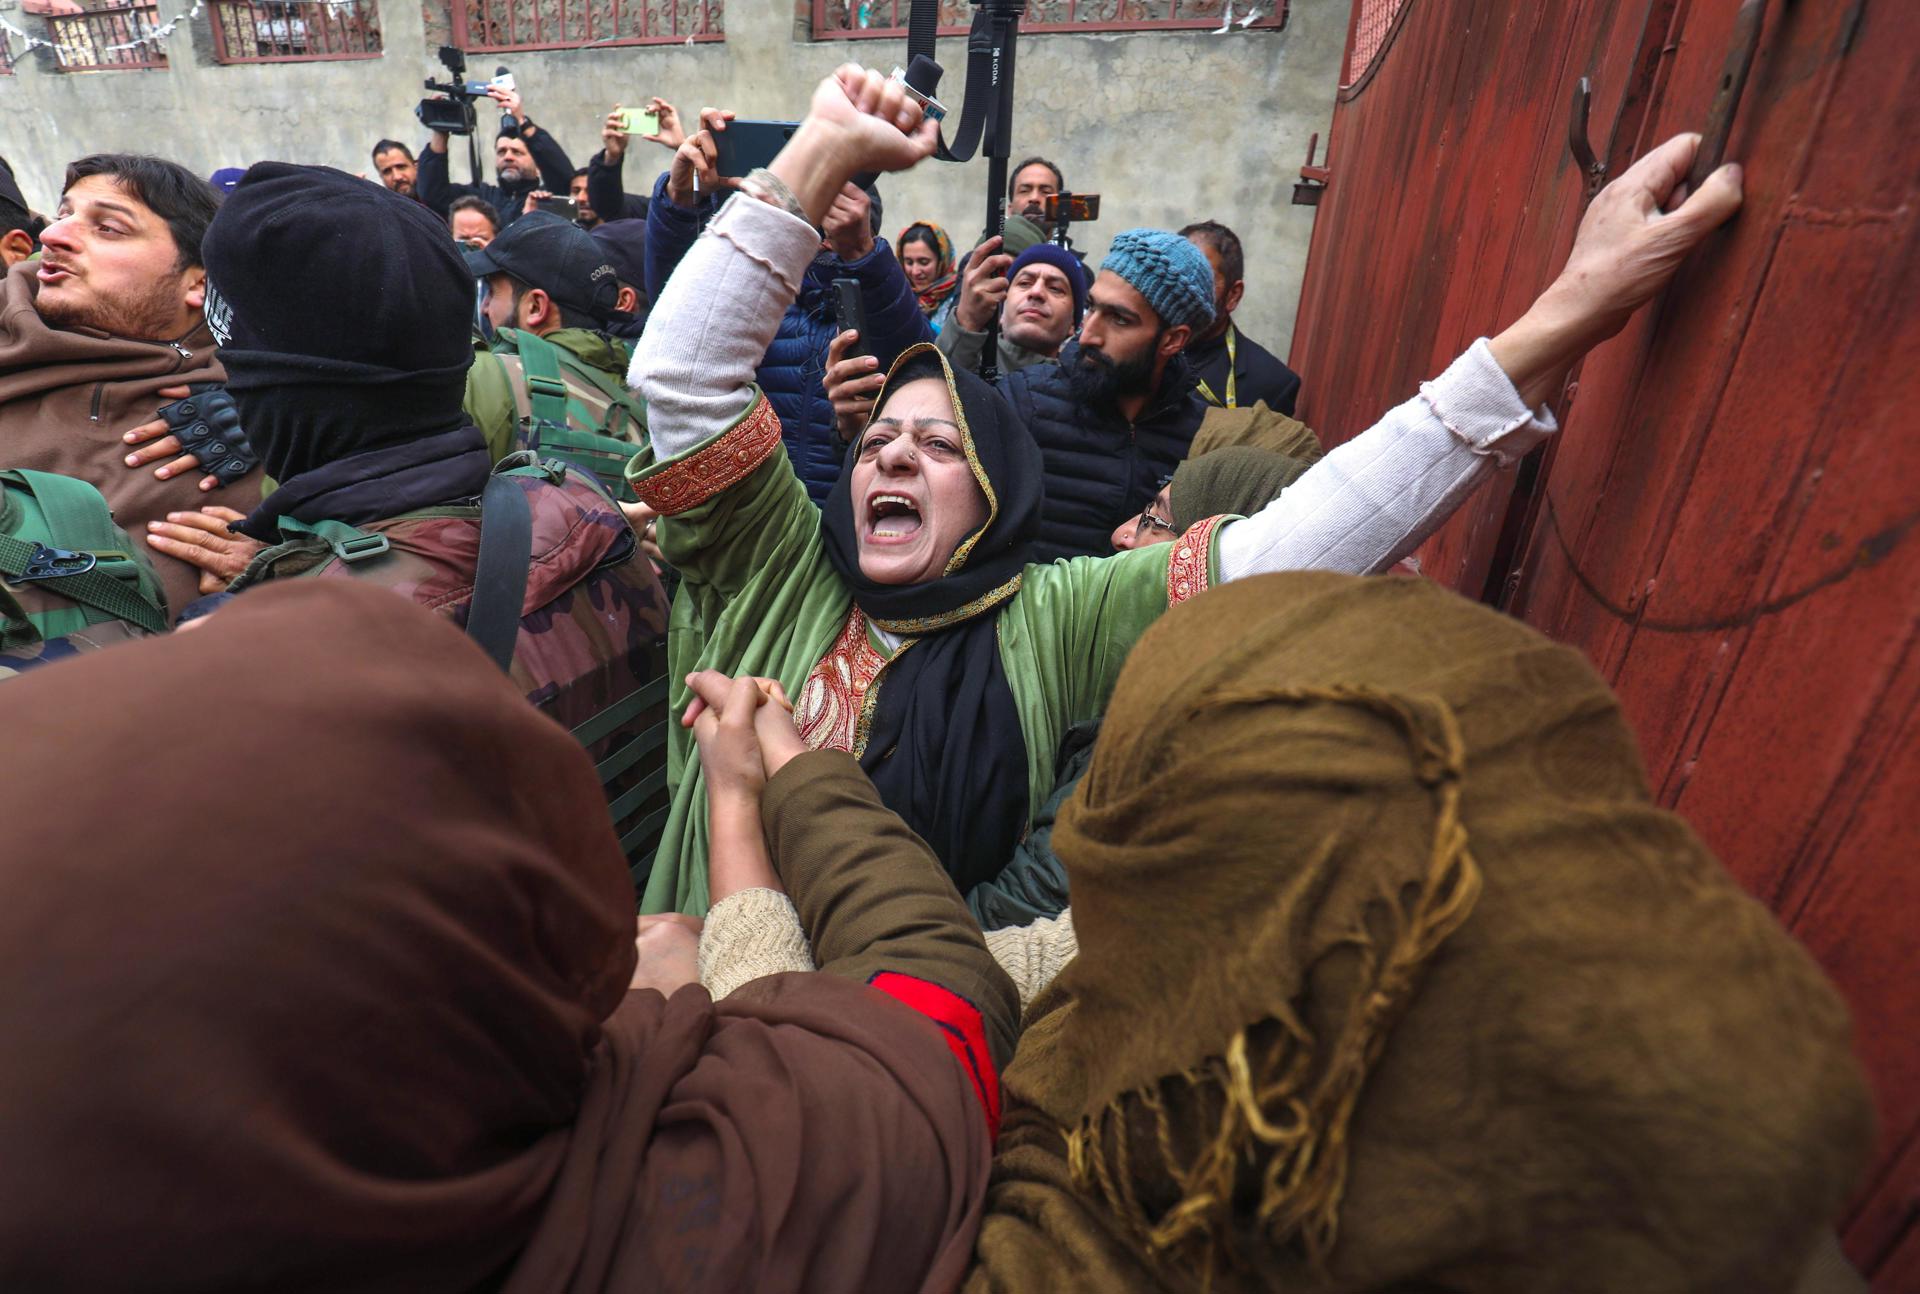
1206,392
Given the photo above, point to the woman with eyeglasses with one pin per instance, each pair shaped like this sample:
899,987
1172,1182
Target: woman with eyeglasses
1236,481
906,617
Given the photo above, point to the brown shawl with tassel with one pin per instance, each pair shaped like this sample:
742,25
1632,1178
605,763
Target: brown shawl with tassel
1392,978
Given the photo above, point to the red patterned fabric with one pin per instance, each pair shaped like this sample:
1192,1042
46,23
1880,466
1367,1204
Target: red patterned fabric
1189,570
726,462
959,1023
835,693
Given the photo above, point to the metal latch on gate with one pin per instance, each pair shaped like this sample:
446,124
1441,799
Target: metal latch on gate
1592,167
1313,179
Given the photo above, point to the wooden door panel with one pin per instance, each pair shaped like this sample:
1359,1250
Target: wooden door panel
1727,524
1738,563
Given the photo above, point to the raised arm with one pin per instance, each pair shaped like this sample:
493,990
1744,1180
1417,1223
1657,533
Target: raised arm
556,168
716,316
432,181
1379,496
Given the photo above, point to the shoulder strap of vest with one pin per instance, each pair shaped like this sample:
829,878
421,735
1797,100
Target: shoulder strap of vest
349,543
74,509
553,360
540,361
96,570
500,570
622,404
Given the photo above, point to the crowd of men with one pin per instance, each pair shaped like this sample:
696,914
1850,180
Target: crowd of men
846,620
1114,389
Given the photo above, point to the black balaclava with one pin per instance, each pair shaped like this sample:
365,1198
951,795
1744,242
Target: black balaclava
343,315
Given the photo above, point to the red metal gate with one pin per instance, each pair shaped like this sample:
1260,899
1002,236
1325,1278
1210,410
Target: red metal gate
1727,524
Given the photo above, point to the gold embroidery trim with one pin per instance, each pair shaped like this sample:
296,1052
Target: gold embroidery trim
1189,568
736,455
927,624
864,725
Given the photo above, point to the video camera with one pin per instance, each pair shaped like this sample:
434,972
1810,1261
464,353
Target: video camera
455,114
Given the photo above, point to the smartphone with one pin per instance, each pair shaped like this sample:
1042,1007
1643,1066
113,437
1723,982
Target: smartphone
850,311
1072,207
746,145
558,206
639,121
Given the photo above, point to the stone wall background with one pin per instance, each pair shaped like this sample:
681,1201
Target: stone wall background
1168,126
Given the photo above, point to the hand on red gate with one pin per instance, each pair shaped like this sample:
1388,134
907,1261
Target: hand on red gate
1627,249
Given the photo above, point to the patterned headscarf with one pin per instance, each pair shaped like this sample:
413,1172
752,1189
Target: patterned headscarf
945,279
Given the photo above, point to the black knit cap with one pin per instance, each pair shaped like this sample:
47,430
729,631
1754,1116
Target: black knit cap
342,311
555,255
14,211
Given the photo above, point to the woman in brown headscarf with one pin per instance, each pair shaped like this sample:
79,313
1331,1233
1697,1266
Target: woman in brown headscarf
1391,977
355,1012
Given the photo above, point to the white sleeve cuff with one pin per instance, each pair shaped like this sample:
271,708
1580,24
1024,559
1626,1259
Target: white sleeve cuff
1476,401
779,240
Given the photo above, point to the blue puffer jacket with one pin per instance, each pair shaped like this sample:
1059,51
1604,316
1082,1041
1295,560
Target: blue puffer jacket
793,369
1100,469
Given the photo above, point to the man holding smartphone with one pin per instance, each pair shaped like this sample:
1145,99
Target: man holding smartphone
605,191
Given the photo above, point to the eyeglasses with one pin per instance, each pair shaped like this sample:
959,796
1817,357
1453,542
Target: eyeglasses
1151,521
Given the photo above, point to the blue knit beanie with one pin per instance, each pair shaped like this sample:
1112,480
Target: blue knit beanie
1063,260
1170,272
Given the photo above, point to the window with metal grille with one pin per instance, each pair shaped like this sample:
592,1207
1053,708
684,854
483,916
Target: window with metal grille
853,19
294,31
502,26
1372,24
110,39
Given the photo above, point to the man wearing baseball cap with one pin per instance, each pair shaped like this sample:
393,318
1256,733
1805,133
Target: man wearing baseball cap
551,292
1115,415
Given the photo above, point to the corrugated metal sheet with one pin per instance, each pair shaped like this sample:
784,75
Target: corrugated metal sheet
1727,524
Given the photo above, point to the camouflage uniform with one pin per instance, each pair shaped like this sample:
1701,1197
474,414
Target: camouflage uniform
18,660
499,403
595,621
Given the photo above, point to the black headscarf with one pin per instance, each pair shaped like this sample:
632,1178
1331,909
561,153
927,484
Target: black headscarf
944,745
342,312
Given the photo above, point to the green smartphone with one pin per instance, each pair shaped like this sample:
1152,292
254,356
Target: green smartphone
639,121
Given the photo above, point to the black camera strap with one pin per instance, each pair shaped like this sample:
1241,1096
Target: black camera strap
986,115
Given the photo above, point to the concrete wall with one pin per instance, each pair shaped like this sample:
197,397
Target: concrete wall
1168,126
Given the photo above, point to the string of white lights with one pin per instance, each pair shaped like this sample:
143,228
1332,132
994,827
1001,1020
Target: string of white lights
163,31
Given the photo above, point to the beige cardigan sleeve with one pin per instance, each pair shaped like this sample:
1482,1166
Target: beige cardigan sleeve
757,932
748,935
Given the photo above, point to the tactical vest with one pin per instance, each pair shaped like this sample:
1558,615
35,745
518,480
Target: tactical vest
66,570
594,658
563,407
